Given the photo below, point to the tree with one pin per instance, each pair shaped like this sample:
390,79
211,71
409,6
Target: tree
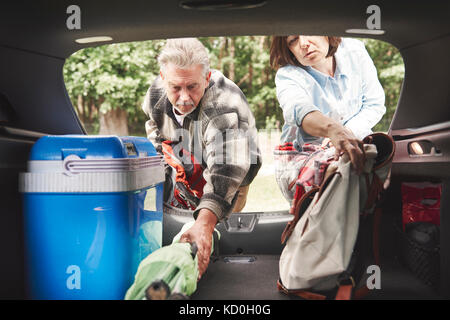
391,71
246,61
107,85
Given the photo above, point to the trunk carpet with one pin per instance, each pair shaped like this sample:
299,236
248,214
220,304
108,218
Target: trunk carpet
246,280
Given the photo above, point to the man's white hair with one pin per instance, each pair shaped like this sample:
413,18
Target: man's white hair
184,53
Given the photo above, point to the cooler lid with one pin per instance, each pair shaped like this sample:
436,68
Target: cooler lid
91,147
77,163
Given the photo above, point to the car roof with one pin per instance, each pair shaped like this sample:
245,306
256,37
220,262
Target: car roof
40,26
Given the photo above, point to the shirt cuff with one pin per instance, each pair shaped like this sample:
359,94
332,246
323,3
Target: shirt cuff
302,112
305,137
208,201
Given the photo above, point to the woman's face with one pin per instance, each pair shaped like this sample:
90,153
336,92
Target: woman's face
309,50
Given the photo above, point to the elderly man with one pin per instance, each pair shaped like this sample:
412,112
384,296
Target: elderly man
202,123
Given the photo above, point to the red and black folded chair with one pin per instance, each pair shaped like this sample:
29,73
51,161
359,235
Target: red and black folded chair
186,175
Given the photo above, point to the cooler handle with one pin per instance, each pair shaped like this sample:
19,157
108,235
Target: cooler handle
73,164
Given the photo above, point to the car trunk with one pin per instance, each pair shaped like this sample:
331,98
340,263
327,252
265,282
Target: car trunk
32,56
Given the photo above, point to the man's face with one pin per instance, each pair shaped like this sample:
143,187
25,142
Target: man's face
185,87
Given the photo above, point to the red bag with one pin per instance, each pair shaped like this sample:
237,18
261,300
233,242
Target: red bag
421,202
300,169
188,177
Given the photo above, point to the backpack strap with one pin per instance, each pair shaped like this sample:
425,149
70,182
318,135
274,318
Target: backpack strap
347,291
299,207
344,292
346,283
300,293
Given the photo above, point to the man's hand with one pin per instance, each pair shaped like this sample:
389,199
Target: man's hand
201,233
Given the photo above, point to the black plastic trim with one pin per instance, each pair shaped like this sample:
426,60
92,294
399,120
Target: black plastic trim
222,4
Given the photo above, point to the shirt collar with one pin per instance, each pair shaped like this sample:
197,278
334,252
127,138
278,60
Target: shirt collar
341,70
317,75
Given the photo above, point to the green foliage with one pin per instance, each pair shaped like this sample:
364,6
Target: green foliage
252,72
391,71
271,123
111,76
101,78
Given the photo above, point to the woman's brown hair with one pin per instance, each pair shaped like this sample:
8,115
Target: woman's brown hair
280,55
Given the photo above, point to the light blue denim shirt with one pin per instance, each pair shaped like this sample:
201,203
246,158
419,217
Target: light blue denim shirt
354,96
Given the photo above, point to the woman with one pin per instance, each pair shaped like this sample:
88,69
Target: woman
328,88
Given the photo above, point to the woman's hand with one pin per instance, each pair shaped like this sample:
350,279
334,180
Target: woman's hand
319,125
201,233
345,142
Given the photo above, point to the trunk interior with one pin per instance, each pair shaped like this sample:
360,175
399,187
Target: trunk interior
246,266
33,99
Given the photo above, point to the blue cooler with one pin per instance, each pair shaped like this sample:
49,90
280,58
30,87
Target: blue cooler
92,212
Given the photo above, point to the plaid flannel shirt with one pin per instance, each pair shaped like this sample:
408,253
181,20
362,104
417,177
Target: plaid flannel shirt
220,133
